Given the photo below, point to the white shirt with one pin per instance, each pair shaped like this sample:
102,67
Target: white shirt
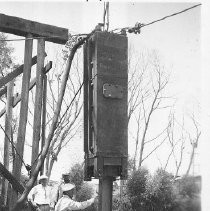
40,194
67,204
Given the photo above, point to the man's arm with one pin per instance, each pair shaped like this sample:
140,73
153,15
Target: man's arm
31,196
80,205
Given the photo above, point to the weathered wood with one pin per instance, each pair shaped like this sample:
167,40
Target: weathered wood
23,111
38,102
8,135
52,128
17,97
22,27
15,73
14,182
44,99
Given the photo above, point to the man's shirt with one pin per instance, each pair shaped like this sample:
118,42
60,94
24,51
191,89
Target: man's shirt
67,204
40,194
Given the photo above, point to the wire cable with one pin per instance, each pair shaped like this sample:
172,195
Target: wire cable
34,38
138,26
13,145
168,16
71,102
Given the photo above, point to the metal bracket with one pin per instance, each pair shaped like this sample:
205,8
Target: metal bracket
113,91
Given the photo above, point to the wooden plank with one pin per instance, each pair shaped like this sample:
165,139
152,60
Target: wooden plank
15,73
23,108
38,103
17,97
8,135
22,27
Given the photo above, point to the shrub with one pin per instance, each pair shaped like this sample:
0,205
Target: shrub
159,191
136,188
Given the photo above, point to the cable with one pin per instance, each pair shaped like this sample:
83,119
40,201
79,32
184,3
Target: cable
138,26
26,166
33,38
135,29
71,102
168,16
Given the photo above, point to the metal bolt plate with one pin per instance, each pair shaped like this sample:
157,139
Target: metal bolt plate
112,91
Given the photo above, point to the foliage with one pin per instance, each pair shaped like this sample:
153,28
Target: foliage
5,55
84,193
159,191
121,203
77,175
188,194
136,187
147,192
188,187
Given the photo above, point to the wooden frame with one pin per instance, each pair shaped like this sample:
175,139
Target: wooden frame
23,27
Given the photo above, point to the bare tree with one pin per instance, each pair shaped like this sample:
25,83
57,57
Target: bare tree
193,141
179,137
176,141
69,120
147,83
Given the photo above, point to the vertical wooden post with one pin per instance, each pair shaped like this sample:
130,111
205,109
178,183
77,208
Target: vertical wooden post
23,111
38,102
105,193
44,98
8,135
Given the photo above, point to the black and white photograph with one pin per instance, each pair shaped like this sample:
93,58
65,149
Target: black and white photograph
104,106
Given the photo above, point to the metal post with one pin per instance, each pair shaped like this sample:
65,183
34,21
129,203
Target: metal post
105,194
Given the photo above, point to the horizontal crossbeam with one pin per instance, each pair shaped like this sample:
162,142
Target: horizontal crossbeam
17,97
23,27
10,76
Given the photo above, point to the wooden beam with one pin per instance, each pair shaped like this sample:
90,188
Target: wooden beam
17,97
14,182
8,135
38,103
23,112
14,74
22,27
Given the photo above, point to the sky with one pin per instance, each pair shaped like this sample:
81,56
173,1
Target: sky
177,39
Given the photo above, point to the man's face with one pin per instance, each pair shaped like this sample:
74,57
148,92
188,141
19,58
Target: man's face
43,182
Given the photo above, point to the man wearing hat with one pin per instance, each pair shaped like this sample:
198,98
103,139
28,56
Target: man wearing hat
66,180
65,203
40,194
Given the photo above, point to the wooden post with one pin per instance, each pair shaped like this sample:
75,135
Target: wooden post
44,98
105,193
38,102
23,111
8,134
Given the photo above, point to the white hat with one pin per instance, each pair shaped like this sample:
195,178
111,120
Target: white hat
67,187
43,177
